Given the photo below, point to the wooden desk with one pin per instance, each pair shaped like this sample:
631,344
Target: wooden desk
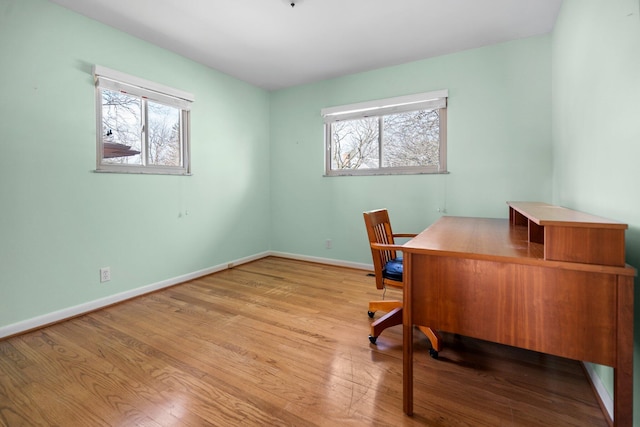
548,279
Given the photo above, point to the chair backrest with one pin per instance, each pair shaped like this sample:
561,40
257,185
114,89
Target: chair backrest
379,231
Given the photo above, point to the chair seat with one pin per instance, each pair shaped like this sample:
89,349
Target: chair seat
393,270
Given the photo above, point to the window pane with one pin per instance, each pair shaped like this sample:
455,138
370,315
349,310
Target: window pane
354,144
164,135
411,139
121,124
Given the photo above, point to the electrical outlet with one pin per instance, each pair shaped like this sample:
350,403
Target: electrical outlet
105,274
328,244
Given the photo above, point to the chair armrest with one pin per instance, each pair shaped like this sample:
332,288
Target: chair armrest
405,235
385,247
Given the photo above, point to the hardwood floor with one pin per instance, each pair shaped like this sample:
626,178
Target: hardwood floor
273,342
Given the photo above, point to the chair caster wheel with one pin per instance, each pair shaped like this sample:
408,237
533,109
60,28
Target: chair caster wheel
372,339
433,353
371,313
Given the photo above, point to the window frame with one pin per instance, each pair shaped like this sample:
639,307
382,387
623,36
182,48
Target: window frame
108,79
436,100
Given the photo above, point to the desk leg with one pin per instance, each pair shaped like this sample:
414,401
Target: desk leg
623,371
407,339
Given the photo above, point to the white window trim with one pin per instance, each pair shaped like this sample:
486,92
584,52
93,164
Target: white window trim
106,78
115,80
420,101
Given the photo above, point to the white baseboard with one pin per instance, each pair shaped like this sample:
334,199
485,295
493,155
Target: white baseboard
67,313
328,261
601,391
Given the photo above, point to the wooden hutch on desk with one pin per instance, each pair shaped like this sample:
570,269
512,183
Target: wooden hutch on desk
548,279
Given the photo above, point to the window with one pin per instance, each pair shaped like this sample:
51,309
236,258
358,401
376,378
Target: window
401,135
142,127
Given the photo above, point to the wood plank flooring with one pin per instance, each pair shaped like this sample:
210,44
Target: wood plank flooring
274,342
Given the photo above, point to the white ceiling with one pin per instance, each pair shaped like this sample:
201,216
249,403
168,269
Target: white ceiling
272,45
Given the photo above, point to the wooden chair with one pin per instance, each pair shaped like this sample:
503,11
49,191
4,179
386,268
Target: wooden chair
388,268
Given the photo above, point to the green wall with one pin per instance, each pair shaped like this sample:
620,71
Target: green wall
499,149
596,124
60,221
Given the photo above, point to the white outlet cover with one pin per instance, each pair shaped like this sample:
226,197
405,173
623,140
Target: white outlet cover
105,274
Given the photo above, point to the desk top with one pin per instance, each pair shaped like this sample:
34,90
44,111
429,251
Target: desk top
493,240
452,235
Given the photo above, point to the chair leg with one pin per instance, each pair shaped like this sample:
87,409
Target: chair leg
384,305
392,318
435,338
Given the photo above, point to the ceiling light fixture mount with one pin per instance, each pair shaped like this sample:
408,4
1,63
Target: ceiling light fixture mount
292,3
